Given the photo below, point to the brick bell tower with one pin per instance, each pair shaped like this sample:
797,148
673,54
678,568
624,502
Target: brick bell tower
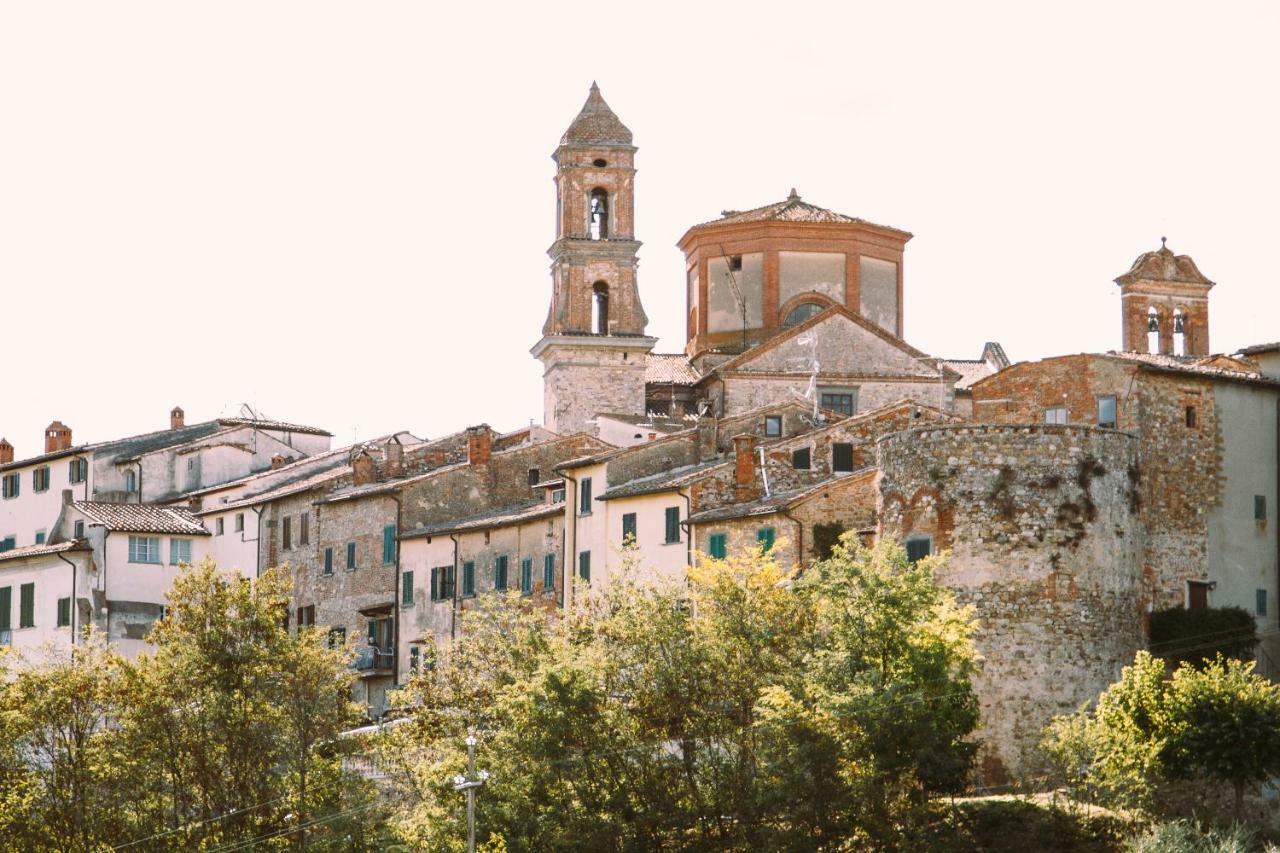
593,345
1165,303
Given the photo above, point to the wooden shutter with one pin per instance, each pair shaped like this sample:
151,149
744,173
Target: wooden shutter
27,606
435,584
406,588
328,561
673,524
6,607
764,536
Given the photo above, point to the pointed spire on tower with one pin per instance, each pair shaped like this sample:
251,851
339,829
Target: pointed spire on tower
596,124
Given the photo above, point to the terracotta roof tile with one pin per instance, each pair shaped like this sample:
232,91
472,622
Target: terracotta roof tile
41,550
596,124
790,209
669,369
142,518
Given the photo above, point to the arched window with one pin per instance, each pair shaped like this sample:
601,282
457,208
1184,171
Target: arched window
800,313
600,308
1153,330
1179,332
598,214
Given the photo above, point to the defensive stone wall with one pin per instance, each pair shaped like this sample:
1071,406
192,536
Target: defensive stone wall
1042,524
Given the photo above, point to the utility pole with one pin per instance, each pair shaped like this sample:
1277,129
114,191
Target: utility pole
469,783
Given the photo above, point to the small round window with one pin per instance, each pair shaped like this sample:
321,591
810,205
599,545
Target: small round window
598,163
801,312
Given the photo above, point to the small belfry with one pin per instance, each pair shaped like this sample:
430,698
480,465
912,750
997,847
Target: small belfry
593,344
1164,301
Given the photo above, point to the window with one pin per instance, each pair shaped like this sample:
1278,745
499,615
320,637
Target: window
8,543
800,313
414,655
39,537
6,608
549,573
1198,594
1055,415
328,561
337,637
304,528
717,545
218,526
1191,417
841,402
144,549
1260,507
584,565
77,529
534,477
442,583
380,635
557,496
78,470
1107,412
179,551
673,524
629,528
130,481
841,457
800,459
307,616
735,263
764,538
388,544
40,479
351,556
468,579
526,576
27,606
406,589
598,214
9,486
500,573
1260,602
64,612
918,548
239,528
773,425
600,308
584,496
286,534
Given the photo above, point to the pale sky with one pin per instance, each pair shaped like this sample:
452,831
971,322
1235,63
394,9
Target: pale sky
339,212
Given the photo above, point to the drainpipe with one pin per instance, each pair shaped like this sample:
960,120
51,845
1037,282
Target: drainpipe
453,607
257,552
139,464
571,527
688,528
395,599
73,596
799,538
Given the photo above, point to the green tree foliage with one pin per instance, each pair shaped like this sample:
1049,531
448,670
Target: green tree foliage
225,734
1220,722
748,710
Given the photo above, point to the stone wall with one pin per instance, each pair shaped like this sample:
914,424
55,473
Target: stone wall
1042,523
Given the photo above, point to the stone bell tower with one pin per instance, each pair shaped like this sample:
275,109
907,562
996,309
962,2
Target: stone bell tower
1165,303
593,345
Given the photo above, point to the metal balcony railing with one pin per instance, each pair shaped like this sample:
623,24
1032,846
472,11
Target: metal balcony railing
372,658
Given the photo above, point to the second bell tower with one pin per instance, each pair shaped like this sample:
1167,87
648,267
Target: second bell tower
593,345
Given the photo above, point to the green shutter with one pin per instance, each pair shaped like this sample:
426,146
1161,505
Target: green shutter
389,544
673,524
328,561
469,578
435,584
351,555
764,536
6,607
628,527
584,566
406,591
716,545
549,573
27,606
64,612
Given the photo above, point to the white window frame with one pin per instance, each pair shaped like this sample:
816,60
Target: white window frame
174,560
143,547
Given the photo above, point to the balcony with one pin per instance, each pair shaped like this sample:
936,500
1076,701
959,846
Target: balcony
371,661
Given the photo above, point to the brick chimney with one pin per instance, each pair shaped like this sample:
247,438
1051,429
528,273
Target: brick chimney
707,449
744,468
57,436
394,456
363,471
177,418
277,461
6,451
436,459
479,444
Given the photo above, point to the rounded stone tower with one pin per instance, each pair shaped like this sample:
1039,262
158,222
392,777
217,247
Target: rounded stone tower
1042,525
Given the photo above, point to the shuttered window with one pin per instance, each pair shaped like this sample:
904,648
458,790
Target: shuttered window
469,578
500,573
717,545
764,538
549,573
628,527
584,566
286,534
526,576
351,555
328,561
78,471
64,612
406,589
40,479
584,496
6,607
304,527
800,459
27,606
9,485
389,544
673,524
841,457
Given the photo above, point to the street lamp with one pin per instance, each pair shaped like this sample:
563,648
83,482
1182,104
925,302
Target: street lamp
469,783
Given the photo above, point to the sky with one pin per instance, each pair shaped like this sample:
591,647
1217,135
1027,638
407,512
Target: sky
338,213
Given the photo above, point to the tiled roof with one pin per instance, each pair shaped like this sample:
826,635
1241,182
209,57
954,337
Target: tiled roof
1256,349
1189,365
142,518
655,423
663,481
278,426
1164,265
790,209
596,124
772,503
149,442
44,457
970,371
486,521
42,550
669,369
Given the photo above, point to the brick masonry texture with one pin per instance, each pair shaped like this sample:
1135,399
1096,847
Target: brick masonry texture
1042,523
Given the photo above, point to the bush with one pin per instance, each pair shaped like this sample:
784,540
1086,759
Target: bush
1182,836
1181,636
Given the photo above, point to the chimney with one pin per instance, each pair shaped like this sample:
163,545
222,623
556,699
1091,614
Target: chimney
744,468
57,436
67,497
6,451
195,503
277,461
177,418
707,449
394,458
436,458
479,444
363,471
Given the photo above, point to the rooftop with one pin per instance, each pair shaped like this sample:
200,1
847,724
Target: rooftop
141,518
669,369
485,521
1164,265
791,209
42,550
596,124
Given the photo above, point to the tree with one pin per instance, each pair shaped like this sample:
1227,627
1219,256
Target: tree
746,710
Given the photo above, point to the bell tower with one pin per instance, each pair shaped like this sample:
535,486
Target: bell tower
593,345
1165,303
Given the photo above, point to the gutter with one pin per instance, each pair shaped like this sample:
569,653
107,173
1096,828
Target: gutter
257,552
786,513
73,596
688,526
395,596
572,526
453,607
